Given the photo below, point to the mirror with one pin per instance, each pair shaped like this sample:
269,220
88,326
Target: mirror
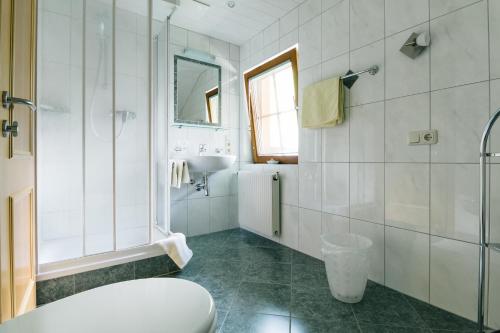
197,89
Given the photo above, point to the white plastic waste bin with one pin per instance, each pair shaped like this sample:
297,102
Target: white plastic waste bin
347,265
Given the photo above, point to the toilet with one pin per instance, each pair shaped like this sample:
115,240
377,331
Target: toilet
155,305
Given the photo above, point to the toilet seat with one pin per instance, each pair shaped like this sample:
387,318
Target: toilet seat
157,305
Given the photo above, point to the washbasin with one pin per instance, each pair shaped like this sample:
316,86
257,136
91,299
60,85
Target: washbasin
210,163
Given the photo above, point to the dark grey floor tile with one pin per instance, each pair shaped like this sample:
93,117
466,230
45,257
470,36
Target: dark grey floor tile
104,276
192,269
304,259
221,316
268,273
215,239
55,289
224,269
257,254
265,254
319,305
245,322
366,328
154,266
263,298
243,238
223,292
210,252
384,306
460,331
300,325
438,319
309,276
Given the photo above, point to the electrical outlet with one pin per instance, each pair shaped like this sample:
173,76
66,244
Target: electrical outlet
423,137
429,137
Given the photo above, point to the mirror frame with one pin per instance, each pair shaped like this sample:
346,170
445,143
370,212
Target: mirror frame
177,119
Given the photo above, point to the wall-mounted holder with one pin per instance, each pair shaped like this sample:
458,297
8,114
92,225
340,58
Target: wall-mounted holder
350,77
416,44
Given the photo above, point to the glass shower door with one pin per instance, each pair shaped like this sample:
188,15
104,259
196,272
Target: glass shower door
93,134
98,126
132,124
60,162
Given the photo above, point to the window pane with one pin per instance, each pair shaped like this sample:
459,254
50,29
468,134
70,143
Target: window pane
290,132
269,142
262,92
214,107
285,89
272,96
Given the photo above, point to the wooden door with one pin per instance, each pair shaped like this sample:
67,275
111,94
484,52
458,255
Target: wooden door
17,159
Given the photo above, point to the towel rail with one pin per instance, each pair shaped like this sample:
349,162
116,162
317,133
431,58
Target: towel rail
350,77
372,70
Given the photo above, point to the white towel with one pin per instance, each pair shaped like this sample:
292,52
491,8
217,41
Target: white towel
173,174
176,248
184,174
180,173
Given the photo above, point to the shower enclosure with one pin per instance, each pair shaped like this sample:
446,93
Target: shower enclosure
94,128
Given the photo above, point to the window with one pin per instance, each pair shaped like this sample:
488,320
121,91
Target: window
212,104
271,91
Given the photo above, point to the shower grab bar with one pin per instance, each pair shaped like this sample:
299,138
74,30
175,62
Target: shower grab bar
482,218
8,100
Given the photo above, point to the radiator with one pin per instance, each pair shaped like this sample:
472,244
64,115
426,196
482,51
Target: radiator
259,202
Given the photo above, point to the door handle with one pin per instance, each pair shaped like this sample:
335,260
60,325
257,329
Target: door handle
8,100
10,129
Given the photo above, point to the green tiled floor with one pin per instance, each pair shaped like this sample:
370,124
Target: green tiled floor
261,286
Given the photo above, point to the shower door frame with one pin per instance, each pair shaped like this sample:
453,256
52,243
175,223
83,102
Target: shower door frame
88,262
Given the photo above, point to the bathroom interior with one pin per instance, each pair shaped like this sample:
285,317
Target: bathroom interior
251,166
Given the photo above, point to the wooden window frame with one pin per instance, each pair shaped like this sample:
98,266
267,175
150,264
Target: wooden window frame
209,94
291,56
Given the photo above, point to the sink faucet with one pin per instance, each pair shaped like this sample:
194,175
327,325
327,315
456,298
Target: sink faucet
203,148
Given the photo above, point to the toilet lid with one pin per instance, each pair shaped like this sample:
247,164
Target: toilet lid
157,305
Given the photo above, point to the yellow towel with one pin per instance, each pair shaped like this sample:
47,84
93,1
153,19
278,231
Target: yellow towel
323,104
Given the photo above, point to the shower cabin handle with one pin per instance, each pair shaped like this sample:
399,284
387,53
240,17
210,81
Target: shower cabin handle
483,243
8,101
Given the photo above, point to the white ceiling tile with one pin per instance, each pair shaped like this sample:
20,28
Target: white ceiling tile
236,25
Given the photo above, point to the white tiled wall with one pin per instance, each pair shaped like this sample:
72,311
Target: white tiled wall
419,204
191,212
